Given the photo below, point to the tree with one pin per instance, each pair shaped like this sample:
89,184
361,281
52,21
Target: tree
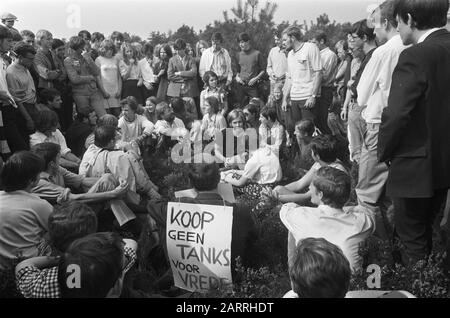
135,38
334,31
157,37
186,33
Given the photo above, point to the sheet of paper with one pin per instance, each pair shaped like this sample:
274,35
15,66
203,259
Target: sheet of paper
224,189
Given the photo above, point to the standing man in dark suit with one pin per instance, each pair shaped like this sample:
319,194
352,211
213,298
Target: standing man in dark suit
414,134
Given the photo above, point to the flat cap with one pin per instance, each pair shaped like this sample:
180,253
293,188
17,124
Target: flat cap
8,16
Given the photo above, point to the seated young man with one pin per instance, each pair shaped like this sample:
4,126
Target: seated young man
135,159
103,260
323,151
23,216
134,128
318,270
47,131
205,178
56,184
261,171
101,158
49,99
79,131
330,190
169,128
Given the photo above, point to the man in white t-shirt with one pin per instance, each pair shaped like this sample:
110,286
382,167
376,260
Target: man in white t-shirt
303,76
263,167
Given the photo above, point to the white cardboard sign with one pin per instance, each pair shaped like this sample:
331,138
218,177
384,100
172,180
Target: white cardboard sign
199,245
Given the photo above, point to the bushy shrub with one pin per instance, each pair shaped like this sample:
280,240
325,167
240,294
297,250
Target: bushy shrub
255,283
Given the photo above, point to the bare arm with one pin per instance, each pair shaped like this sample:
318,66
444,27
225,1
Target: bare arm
71,157
39,262
301,184
101,196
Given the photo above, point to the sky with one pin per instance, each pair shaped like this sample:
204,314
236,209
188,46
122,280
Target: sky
65,18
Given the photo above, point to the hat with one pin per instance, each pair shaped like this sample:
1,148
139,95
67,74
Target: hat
8,16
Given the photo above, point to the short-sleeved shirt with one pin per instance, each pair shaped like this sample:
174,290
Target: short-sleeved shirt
263,167
337,165
177,128
43,283
250,64
56,138
56,189
345,229
23,224
136,128
302,65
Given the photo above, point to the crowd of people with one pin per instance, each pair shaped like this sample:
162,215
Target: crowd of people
78,117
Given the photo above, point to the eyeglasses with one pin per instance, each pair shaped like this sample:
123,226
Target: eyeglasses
352,37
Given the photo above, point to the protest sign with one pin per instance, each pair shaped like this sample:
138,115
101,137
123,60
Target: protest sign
199,245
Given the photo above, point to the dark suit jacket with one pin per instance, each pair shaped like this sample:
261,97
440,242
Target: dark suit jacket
415,130
188,76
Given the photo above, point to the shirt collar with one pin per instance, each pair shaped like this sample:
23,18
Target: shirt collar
218,52
45,175
330,210
41,135
18,65
324,50
426,34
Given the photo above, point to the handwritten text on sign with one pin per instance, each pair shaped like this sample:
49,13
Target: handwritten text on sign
199,245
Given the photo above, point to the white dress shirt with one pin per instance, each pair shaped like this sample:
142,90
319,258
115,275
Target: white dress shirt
375,83
426,34
277,63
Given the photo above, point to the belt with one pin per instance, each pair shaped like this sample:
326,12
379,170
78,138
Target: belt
373,125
